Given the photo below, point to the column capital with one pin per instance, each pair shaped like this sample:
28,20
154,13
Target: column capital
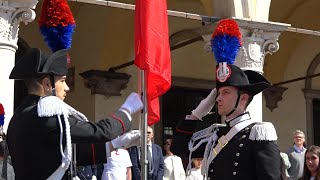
13,12
258,40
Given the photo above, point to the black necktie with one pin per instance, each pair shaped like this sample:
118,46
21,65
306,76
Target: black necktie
150,162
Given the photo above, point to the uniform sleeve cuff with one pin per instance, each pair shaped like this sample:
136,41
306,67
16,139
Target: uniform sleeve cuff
127,114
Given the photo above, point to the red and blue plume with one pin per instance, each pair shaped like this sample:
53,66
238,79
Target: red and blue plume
57,24
226,41
1,115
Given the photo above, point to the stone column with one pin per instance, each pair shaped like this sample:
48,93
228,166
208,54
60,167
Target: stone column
258,40
12,12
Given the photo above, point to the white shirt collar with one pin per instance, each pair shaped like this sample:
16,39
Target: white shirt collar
299,150
232,122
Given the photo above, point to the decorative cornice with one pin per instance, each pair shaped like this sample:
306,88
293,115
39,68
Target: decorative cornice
10,17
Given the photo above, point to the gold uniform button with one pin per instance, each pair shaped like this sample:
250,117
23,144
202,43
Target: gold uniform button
234,173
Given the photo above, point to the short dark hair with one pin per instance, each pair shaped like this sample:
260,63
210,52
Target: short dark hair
250,98
33,84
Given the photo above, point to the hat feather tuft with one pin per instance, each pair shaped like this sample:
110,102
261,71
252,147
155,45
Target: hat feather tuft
57,24
226,41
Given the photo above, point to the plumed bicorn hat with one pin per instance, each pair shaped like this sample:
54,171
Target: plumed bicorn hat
226,42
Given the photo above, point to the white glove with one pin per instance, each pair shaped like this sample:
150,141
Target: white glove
132,104
131,138
94,177
205,105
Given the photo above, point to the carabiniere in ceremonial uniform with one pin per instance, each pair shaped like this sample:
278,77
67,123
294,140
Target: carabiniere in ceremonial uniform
241,149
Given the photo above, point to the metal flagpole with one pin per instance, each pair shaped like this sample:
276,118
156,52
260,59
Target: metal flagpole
143,128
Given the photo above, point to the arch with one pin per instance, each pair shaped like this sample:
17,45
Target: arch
310,94
311,70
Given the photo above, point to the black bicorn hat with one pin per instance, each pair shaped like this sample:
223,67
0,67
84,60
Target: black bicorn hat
249,81
34,63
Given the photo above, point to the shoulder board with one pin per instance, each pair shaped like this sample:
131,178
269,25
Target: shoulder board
263,131
52,105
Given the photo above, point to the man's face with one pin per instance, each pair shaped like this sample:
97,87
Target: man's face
226,99
298,139
149,134
61,87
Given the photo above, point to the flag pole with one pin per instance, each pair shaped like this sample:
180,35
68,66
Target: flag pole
144,125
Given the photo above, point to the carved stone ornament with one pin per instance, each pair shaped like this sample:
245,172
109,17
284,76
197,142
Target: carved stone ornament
258,40
106,83
10,18
255,46
273,95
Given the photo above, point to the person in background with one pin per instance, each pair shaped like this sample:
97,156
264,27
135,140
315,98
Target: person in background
296,155
118,166
311,169
173,167
154,157
285,165
195,172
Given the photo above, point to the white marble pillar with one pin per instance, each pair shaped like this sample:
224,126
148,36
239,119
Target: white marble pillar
12,12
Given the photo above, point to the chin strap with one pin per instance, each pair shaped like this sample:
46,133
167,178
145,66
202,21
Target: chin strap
236,105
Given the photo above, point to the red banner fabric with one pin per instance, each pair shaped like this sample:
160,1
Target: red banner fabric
152,51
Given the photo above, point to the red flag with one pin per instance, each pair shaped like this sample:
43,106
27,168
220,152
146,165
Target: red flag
152,51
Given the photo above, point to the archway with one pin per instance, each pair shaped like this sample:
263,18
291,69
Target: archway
311,95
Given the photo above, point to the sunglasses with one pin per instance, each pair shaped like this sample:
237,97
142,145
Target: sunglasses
149,132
